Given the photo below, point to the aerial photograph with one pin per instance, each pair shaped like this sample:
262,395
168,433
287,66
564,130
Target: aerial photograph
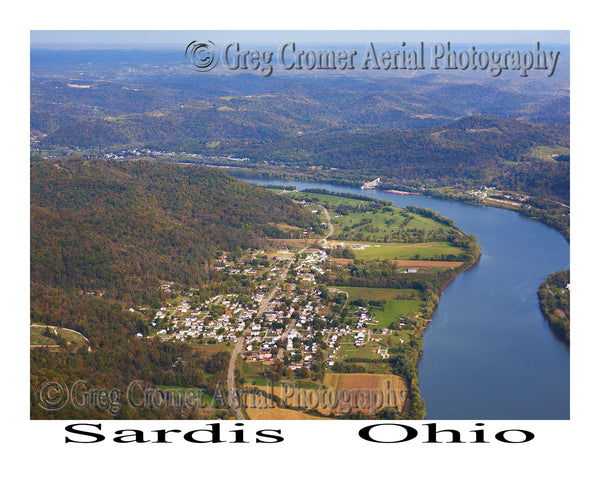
299,225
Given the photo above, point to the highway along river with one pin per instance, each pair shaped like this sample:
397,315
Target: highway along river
489,353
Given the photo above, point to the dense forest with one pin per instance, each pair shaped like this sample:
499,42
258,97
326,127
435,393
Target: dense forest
106,235
120,228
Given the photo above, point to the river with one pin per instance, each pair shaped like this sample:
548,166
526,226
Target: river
488,352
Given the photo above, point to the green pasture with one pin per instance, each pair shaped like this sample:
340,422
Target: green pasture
406,251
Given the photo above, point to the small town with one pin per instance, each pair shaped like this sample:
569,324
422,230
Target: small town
288,321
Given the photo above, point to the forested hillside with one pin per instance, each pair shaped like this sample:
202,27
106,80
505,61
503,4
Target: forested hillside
121,227
475,150
106,235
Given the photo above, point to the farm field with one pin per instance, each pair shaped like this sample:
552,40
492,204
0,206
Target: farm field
340,394
407,251
277,413
373,391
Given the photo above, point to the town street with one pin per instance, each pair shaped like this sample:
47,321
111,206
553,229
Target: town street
233,401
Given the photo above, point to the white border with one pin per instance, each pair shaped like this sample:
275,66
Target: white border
312,449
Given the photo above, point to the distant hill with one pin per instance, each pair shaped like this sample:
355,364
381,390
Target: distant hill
474,140
106,98
475,150
428,129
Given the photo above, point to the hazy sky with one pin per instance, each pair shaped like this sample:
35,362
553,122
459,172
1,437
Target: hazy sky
175,38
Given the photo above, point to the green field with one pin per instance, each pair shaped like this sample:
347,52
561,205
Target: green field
410,251
546,153
379,218
395,309
371,218
349,350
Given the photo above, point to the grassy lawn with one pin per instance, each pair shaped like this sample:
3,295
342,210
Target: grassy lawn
255,380
352,351
396,308
252,369
399,302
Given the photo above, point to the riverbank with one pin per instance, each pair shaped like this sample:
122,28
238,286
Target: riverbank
488,353
360,219
551,213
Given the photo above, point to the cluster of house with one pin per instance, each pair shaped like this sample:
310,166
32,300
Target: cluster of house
298,340
310,266
187,323
224,265
269,338
146,152
483,193
361,329
261,334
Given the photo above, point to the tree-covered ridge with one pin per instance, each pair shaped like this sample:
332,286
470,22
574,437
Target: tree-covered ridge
120,228
473,151
473,140
555,303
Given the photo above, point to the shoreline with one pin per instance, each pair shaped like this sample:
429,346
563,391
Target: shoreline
251,173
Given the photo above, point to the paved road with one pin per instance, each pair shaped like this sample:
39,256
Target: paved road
233,401
330,232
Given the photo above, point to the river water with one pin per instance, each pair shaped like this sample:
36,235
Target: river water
489,353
